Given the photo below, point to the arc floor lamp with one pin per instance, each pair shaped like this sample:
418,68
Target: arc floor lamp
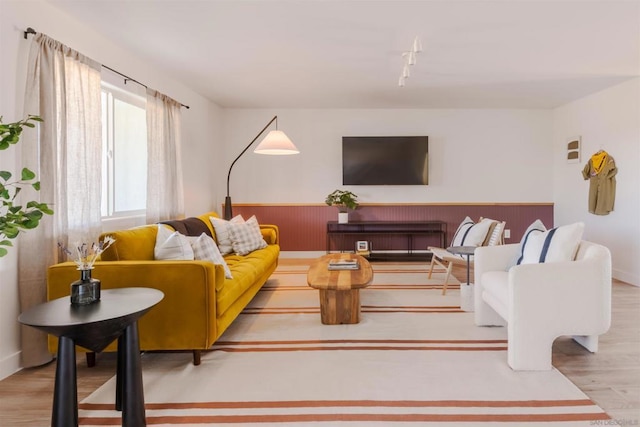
275,143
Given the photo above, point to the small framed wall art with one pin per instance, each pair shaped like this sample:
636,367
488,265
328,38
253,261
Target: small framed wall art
573,150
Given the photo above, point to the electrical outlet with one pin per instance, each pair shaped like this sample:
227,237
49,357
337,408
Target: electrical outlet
507,234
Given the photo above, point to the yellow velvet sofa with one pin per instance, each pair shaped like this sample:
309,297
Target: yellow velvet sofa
199,302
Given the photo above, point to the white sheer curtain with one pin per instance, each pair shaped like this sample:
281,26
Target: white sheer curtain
165,197
63,88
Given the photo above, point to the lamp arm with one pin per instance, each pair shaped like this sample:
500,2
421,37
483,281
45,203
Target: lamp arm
245,149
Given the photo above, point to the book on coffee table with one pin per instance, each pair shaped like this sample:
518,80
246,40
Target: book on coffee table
344,264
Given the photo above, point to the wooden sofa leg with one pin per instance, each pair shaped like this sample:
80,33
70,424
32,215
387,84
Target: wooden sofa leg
91,359
196,357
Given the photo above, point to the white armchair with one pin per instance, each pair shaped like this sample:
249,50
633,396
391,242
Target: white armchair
540,302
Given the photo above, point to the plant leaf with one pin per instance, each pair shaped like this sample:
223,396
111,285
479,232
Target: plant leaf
27,174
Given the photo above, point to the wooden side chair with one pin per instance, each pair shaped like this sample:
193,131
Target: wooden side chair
486,232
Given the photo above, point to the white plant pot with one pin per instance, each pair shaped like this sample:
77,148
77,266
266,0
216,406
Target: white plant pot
343,217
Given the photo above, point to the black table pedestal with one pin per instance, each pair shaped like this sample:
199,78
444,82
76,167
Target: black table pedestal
65,394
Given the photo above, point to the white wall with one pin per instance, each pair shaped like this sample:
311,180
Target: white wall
608,120
201,125
475,155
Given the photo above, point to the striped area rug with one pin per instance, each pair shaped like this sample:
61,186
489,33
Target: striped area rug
414,359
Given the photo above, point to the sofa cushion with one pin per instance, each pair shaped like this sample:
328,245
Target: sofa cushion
134,244
223,234
171,245
205,249
534,228
246,237
245,270
496,290
555,245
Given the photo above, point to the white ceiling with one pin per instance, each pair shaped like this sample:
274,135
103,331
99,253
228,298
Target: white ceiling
348,54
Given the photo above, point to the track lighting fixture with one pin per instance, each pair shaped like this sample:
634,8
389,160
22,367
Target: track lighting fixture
409,59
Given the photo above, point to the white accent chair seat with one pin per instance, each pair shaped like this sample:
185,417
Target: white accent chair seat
540,302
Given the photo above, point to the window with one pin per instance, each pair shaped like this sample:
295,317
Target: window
124,157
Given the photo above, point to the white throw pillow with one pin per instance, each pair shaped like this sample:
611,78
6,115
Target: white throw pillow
205,249
171,245
536,227
471,234
555,245
222,232
246,237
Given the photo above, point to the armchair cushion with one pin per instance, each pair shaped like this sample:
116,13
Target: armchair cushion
555,245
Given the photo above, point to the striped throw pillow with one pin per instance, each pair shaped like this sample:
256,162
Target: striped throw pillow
555,245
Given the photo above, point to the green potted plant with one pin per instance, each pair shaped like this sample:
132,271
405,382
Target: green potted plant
17,217
343,200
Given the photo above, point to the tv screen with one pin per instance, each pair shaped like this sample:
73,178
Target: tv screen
385,160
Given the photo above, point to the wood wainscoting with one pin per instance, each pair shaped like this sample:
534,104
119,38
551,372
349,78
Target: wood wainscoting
303,226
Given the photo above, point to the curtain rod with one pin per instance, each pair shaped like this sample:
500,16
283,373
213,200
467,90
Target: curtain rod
30,30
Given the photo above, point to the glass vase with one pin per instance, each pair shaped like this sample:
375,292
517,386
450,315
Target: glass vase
86,290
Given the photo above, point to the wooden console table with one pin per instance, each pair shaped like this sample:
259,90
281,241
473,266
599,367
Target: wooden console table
409,229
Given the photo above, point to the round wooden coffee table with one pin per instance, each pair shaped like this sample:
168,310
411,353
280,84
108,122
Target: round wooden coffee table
339,289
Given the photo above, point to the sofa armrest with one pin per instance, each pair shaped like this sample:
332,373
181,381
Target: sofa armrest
270,233
573,295
186,314
494,258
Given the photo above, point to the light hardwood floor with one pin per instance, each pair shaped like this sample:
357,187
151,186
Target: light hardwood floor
611,377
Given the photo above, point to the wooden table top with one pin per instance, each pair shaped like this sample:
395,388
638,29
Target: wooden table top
320,277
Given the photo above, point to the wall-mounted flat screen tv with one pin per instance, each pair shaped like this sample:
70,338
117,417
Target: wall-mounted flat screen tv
385,160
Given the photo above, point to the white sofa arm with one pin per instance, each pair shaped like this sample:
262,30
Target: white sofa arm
494,258
575,296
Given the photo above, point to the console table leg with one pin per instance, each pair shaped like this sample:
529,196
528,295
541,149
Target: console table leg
65,394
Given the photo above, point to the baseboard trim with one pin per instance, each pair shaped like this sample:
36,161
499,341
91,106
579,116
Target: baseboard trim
10,365
626,277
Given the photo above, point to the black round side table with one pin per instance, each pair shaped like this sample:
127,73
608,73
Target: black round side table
95,326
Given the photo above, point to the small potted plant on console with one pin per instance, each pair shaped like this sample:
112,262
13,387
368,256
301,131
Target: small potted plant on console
343,200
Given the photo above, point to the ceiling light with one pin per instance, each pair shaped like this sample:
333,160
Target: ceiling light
417,45
405,71
409,59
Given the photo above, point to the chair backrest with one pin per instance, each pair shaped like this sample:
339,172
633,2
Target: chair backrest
495,235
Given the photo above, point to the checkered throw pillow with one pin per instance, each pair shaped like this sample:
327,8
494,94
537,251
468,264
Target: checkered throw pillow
223,235
205,249
246,237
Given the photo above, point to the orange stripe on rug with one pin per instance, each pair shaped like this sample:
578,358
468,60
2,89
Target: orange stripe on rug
357,348
285,418
356,403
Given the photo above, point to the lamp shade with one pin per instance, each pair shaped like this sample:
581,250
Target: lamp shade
276,143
